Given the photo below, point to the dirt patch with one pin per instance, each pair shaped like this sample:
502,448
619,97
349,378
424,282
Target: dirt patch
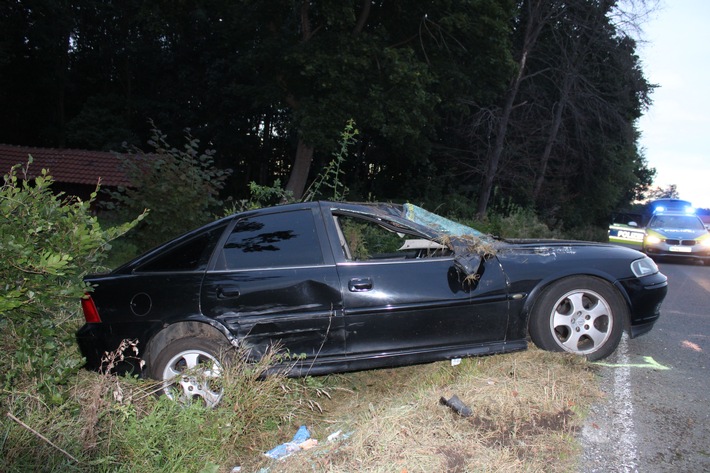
507,432
455,460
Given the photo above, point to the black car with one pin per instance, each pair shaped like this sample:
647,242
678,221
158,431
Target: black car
347,286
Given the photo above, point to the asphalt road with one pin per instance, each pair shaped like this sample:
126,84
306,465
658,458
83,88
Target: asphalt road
656,415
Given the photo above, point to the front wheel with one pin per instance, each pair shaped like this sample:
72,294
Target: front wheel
581,315
191,370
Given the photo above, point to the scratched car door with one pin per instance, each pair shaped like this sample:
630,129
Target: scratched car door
272,285
402,293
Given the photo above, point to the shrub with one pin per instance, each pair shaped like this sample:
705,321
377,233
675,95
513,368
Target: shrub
48,243
259,196
519,222
180,188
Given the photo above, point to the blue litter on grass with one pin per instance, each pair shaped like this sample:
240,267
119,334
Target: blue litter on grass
286,449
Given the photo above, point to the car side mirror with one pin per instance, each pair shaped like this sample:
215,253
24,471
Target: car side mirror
465,273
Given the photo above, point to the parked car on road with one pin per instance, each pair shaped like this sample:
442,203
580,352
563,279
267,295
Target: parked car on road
677,235
348,286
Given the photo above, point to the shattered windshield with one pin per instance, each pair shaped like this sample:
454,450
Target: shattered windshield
470,246
439,223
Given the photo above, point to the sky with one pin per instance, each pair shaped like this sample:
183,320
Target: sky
675,131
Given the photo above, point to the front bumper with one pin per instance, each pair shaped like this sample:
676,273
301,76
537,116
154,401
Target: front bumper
644,296
668,249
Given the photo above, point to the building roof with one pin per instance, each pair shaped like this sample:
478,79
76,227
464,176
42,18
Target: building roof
71,166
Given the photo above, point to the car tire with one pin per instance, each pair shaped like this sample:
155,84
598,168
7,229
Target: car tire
191,370
581,315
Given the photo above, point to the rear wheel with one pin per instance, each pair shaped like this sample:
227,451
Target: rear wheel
191,370
581,315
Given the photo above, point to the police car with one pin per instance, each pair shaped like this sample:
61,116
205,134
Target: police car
677,234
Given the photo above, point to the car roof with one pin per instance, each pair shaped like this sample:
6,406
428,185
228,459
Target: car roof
675,213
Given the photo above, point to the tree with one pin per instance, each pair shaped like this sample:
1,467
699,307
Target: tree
668,192
324,63
534,14
566,129
34,60
454,99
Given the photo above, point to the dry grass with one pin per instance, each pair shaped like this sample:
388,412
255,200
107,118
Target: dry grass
526,408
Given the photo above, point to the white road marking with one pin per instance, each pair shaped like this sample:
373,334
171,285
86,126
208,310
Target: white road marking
623,420
608,435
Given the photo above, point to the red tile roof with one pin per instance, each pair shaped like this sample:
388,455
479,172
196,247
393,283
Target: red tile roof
72,166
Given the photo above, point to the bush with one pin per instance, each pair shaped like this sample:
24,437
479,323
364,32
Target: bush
180,188
519,222
48,242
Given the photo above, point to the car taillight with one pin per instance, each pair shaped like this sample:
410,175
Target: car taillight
91,314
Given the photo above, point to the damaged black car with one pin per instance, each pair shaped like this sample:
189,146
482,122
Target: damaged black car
350,286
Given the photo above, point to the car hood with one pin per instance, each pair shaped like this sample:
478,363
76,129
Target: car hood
534,254
544,246
547,242
538,259
548,250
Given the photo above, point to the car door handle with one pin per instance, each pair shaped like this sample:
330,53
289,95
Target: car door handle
360,284
227,293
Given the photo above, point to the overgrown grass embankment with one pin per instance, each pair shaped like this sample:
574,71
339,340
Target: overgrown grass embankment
526,408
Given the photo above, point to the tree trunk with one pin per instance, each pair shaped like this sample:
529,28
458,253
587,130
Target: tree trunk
552,137
539,13
496,152
301,167
304,153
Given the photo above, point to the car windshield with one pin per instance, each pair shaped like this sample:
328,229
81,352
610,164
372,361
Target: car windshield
688,222
439,223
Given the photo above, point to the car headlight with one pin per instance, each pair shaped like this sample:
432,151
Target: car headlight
705,242
644,267
652,239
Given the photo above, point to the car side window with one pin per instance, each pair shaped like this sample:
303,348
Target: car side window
191,255
366,240
273,241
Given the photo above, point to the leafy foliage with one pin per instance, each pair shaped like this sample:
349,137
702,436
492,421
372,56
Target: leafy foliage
518,222
430,85
48,242
331,177
179,187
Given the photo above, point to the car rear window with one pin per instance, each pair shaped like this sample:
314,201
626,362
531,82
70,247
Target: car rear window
272,241
191,255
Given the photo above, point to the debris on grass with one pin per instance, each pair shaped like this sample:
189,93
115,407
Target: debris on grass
301,441
456,405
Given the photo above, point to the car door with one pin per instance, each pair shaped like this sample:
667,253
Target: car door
403,294
272,285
